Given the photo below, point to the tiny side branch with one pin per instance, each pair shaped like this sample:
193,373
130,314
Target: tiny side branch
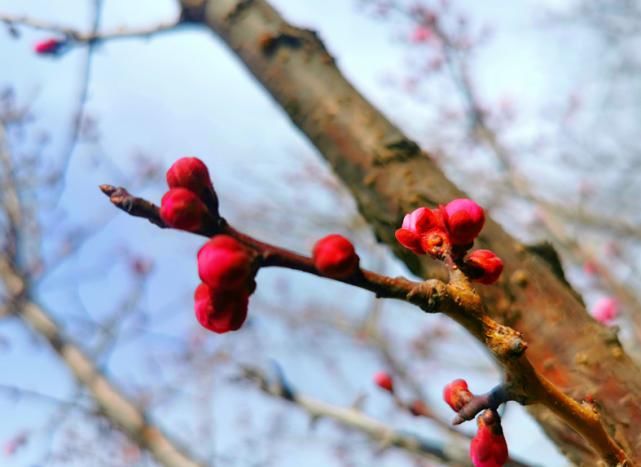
88,37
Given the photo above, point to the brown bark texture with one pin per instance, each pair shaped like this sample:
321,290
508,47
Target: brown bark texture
389,175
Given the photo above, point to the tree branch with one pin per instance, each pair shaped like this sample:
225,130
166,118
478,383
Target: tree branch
389,175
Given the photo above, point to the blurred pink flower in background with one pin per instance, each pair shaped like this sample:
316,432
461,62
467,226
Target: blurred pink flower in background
421,34
605,310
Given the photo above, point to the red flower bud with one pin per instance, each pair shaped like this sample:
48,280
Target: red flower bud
420,220
182,209
220,311
484,266
423,231
224,264
465,220
456,394
384,381
488,448
334,256
190,173
48,46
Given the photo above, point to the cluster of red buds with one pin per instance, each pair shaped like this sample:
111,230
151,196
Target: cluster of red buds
191,199
50,46
225,266
449,232
222,300
488,448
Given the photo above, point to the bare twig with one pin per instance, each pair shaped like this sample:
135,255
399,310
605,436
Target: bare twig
78,117
490,400
16,392
92,36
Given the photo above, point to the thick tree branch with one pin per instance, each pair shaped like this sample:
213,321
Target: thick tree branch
389,175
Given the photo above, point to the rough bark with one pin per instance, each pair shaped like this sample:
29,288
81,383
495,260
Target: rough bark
389,175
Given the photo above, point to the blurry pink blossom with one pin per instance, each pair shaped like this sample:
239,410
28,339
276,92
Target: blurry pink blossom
14,444
605,310
421,34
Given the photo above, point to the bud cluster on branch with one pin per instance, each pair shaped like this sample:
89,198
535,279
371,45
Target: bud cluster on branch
229,261
224,264
447,233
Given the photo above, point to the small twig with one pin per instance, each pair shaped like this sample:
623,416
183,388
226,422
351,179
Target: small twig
79,116
490,400
132,205
18,392
95,36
